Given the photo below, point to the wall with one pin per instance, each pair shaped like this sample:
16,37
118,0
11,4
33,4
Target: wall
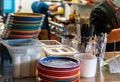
83,10
26,5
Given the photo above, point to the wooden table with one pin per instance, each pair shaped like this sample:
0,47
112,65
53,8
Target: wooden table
101,76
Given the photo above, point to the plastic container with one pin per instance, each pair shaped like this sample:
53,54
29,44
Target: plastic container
24,59
49,42
59,50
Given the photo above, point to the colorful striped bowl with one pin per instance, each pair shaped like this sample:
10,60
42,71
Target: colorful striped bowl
22,25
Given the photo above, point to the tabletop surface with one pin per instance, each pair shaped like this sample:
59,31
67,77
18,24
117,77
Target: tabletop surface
101,76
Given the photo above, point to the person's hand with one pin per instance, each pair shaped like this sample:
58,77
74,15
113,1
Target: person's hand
114,36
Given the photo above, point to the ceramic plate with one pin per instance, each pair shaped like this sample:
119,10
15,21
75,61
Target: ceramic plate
59,62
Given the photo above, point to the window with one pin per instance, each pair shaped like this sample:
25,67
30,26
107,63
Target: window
1,7
9,6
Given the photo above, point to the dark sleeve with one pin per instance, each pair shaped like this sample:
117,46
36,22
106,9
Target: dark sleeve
100,21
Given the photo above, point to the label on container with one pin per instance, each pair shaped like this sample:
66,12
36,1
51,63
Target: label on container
19,51
114,65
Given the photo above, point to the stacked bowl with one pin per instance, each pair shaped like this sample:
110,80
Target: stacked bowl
22,25
58,69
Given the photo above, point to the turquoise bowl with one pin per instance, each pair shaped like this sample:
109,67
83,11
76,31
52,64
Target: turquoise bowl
24,22
23,27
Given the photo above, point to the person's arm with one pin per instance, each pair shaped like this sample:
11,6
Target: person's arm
53,7
114,36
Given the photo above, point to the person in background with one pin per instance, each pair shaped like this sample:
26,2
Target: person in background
41,7
105,17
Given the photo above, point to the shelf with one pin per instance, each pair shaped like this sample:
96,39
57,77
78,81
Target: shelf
54,1
79,3
56,24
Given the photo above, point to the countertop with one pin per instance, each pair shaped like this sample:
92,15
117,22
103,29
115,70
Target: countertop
101,76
